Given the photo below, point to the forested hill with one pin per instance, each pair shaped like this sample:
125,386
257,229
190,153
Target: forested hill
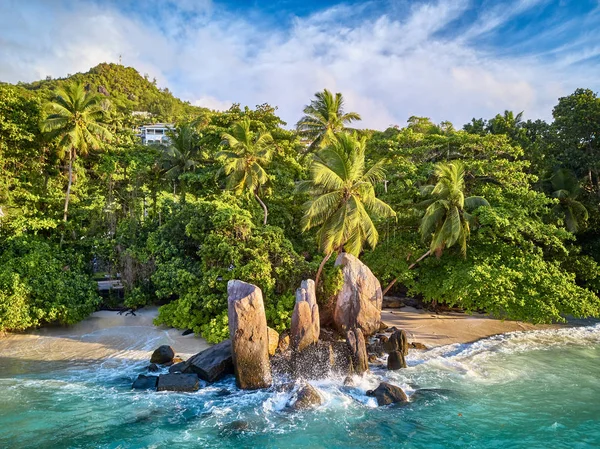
128,91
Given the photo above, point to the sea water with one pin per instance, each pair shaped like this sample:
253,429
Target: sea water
533,390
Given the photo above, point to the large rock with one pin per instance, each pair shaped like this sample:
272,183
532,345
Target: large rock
145,382
178,382
358,351
163,354
388,394
211,364
305,319
249,336
398,341
273,336
306,397
359,301
396,361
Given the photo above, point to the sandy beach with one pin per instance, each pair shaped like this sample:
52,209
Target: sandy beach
103,335
434,329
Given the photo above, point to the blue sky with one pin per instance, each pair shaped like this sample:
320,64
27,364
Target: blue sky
445,59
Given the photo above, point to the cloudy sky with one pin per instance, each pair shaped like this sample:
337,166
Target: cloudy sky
444,59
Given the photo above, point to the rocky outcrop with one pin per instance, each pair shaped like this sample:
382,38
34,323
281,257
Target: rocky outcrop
306,397
417,345
358,351
284,342
387,393
177,367
178,382
398,341
396,361
145,382
273,337
211,364
305,319
359,301
163,354
321,359
249,336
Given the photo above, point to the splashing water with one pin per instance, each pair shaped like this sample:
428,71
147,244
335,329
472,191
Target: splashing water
536,389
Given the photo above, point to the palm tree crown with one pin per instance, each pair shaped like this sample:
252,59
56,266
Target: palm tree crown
324,118
566,189
246,158
446,220
75,119
180,154
343,197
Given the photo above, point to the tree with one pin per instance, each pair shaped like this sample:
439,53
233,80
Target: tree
324,118
75,119
566,189
179,156
245,160
343,198
446,220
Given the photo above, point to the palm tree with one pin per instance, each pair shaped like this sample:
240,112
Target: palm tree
566,189
343,198
179,155
324,118
245,160
446,221
75,118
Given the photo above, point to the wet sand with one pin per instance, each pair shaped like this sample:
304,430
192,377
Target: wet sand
104,335
434,329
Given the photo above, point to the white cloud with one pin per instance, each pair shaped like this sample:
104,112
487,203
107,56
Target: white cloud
388,67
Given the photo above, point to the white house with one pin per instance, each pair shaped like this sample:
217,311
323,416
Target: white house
156,133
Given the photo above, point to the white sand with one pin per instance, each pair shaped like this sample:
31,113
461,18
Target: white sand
101,336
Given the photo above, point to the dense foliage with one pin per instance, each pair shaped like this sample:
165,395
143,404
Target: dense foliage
501,216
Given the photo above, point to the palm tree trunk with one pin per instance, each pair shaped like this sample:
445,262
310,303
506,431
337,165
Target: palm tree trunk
66,211
323,262
391,284
263,206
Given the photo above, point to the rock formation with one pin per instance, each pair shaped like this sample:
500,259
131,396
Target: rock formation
358,351
306,397
305,319
178,382
359,301
145,382
387,393
163,354
273,337
396,360
398,341
212,363
249,336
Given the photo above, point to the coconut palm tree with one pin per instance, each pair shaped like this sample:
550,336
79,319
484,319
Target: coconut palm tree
75,118
343,198
245,161
566,189
179,155
324,118
446,221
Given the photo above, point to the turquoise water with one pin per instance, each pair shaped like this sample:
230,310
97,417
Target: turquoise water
534,390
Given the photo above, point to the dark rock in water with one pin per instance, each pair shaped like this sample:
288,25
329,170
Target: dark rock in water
306,397
187,332
238,426
153,368
249,335
211,364
349,381
223,392
387,393
358,350
396,360
398,342
177,367
145,382
432,393
163,354
178,382
417,345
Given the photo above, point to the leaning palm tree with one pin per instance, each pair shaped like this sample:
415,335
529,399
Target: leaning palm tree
324,118
343,198
566,189
246,159
75,118
180,154
446,221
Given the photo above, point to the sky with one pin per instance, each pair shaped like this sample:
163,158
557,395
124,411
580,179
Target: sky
391,59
